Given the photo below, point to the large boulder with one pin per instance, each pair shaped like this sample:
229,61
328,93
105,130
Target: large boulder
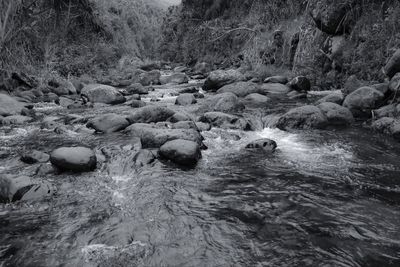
352,83
74,159
182,152
175,78
265,144
390,126
108,123
150,78
151,113
333,16
219,78
225,121
305,117
336,114
152,136
300,84
274,88
393,65
99,93
240,89
9,105
185,100
362,101
224,102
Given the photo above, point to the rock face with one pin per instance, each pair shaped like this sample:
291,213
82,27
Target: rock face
175,78
185,100
225,102
9,106
153,137
362,101
388,126
265,144
240,89
393,65
225,121
219,78
300,84
75,159
99,93
333,17
182,152
108,123
150,114
336,114
306,117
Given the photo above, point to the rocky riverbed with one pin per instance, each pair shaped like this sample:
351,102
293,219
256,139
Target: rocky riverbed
199,169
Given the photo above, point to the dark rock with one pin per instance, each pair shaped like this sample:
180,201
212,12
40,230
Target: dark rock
300,84
198,95
190,90
277,79
383,88
75,159
9,105
392,110
240,89
137,88
336,114
175,78
182,152
219,78
24,80
394,85
267,145
225,121
98,93
136,97
185,100
179,117
362,101
388,126
51,97
393,65
306,117
108,123
62,87
34,156
137,104
150,114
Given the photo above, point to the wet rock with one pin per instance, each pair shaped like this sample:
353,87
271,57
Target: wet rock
256,100
224,102
219,78
9,105
333,17
306,117
185,100
175,78
225,121
274,88
182,152
153,137
75,159
108,123
191,90
240,89
300,84
394,85
137,88
45,169
23,188
16,120
137,104
203,127
149,114
179,117
392,110
150,78
390,126
277,79
393,65
99,93
362,101
35,156
265,144
336,98
336,114
144,157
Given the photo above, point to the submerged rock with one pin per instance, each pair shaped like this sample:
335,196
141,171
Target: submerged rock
219,78
182,152
362,101
108,123
99,93
265,144
225,121
306,117
75,159
151,113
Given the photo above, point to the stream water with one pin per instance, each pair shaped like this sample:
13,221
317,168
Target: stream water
325,198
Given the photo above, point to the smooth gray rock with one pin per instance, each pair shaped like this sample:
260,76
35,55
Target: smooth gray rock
305,117
182,152
75,159
108,123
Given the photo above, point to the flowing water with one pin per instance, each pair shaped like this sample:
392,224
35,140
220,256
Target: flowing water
325,198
